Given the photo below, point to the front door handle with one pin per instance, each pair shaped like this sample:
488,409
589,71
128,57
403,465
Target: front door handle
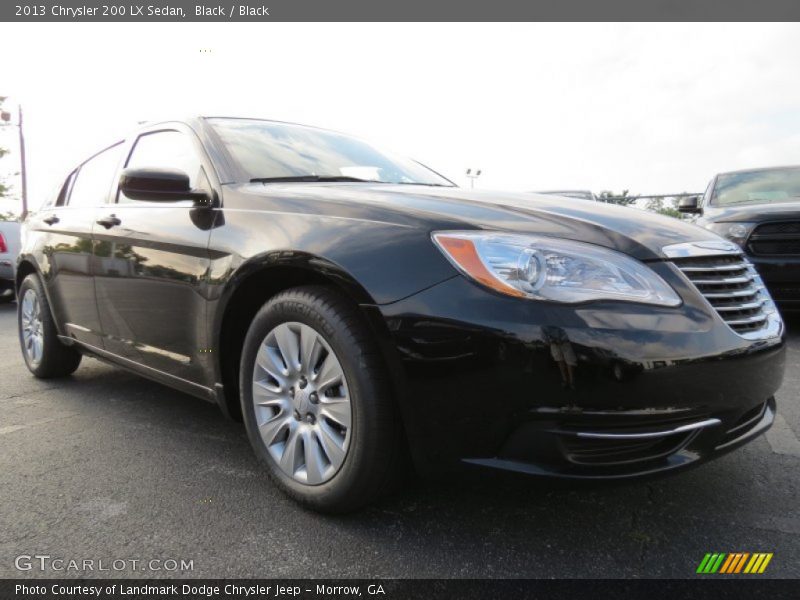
51,220
109,221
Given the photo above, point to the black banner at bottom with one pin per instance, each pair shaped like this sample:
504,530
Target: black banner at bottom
392,589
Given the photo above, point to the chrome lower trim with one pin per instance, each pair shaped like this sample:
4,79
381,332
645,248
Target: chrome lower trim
764,423
750,422
190,387
596,435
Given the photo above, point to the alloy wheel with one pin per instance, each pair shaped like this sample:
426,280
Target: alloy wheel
302,403
32,328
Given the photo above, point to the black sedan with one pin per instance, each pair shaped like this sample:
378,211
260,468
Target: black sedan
355,309
758,209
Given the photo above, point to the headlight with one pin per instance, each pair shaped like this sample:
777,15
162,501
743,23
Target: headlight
735,232
543,268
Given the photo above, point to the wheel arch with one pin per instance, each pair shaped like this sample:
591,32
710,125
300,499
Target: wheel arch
25,267
253,284
28,266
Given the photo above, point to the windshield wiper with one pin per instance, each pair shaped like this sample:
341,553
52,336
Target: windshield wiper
747,202
309,178
760,201
419,183
334,178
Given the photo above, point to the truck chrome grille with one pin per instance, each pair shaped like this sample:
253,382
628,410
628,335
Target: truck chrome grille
732,286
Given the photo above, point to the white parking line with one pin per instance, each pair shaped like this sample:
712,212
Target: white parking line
10,429
13,428
782,439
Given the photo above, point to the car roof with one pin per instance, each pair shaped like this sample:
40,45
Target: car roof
761,169
187,119
195,121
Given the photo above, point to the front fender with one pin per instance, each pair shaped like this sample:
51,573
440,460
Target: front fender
255,253
389,261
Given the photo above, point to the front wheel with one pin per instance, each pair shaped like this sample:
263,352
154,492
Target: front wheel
43,352
316,400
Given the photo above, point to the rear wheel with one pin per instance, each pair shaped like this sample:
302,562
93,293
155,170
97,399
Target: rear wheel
316,401
44,353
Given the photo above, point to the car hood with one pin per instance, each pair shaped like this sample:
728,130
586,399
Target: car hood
633,231
753,213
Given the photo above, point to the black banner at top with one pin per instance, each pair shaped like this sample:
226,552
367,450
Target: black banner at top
396,10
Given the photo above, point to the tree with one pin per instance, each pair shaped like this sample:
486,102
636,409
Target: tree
656,205
4,189
622,199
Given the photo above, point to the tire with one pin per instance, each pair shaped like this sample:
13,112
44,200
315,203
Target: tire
371,441
50,358
6,298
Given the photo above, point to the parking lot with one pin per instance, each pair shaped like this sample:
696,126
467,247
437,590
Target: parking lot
105,465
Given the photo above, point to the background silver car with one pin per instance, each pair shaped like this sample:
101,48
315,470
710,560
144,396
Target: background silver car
9,250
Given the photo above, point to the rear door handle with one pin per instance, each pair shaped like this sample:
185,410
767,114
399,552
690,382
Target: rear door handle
51,220
109,221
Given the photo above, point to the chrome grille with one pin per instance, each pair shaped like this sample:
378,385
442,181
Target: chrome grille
732,286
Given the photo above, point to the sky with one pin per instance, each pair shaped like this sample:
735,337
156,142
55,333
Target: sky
652,108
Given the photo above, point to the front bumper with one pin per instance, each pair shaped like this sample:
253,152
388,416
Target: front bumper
6,277
6,269
601,390
628,452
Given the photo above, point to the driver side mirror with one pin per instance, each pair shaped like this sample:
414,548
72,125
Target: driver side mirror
690,204
159,185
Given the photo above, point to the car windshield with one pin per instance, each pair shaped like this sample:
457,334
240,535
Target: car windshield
757,187
281,152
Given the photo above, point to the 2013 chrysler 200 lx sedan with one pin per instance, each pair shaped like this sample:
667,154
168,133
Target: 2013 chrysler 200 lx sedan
355,309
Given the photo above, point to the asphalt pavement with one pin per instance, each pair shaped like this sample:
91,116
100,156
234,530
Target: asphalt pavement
106,466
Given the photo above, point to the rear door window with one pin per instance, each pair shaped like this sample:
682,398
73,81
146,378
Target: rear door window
66,188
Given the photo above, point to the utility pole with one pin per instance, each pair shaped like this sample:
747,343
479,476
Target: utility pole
22,170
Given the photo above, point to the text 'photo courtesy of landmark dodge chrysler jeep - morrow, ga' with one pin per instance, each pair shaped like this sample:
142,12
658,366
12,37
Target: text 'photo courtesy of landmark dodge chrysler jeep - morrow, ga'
356,309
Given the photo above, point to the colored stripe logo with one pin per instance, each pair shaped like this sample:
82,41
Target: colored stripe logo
733,563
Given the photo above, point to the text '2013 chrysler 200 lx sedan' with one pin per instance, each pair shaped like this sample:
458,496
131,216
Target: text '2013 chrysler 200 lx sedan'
355,308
